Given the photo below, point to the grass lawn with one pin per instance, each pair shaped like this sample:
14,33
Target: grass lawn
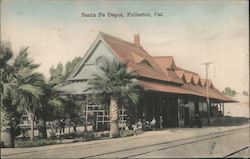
38,142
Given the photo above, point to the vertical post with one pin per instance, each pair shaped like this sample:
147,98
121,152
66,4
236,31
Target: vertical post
122,119
103,117
96,123
86,120
208,103
136,113
178,113
223,109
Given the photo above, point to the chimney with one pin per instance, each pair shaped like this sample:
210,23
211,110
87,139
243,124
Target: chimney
137,40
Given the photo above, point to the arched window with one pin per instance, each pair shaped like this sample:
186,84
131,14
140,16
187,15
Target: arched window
101,61
145,62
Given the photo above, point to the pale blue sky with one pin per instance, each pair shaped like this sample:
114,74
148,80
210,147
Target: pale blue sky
192,31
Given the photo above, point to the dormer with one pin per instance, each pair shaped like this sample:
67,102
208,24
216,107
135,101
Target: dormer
195,79
188,77
136,58
199,82
203,82
171,65
180,74
209,84
145,62
192,81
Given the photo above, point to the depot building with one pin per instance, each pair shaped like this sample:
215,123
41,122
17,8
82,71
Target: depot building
170,91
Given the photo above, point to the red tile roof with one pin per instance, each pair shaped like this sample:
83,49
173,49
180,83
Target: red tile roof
160,68
180,73
168,67
212,93
203,82
188,77
153,86
187,89
165,62
188,71
196,79
132,55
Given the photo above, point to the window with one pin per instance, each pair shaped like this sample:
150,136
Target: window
101,61
145,62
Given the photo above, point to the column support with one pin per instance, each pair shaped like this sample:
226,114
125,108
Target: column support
223,109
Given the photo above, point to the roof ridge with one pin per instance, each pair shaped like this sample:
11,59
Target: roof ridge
162,56
117,38
187,71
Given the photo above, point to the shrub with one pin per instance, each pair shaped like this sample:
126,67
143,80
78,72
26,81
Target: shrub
125,133
29,143
229,121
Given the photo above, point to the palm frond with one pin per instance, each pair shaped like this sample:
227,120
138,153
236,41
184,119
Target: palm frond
5,54
116,81
31,90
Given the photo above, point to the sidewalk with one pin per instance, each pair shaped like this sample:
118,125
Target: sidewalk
167,134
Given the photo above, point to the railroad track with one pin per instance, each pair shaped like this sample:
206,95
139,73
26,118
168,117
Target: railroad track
165,145
238,151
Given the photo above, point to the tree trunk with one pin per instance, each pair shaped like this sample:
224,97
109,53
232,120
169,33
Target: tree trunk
52,130
31,125
114,131
42,130
69,128
7,138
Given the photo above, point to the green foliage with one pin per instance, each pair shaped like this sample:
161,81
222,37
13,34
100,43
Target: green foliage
70,65
56,75
20,85
229,92
60,107
5,55
29,143
59,74
117,82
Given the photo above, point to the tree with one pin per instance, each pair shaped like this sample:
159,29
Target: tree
62,107
229,92
29,85
59,74
56,75
20,84
70,65
8,107
115,87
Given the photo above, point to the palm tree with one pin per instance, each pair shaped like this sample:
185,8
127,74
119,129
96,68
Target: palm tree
20,84
7,106
28,85
115,86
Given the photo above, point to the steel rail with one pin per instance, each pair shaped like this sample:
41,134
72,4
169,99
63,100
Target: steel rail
224,133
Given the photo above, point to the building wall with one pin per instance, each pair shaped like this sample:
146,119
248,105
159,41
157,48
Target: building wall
94,61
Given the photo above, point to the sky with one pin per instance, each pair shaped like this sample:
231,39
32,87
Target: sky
193,32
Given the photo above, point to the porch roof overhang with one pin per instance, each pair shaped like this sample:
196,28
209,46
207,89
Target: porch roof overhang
153,86
76,88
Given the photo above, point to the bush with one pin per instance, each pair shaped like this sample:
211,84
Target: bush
125,133
87,135
229,121
29,143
